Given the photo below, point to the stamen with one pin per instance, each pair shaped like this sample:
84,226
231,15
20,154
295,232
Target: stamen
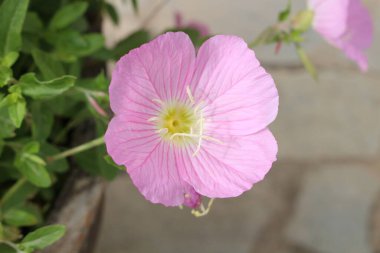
162,130
194,130
158,101
200,121
204,211
209,138
191,98
153,119
183,135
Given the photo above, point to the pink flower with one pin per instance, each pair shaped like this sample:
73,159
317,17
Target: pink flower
200,27
187,125
347,25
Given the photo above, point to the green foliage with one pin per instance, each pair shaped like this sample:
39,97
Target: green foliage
32,166
12,15
109,160
52,65
17,194
134,40
194,35
42,237
92,161
111,11
284,14
50,68
36,89
26,215
67,15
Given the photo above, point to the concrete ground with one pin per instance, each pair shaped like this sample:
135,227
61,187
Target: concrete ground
323,194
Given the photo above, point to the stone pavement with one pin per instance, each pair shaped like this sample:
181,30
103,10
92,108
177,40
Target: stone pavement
323,194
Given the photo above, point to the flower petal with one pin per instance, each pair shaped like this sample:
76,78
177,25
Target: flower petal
241,98
347,25
329,17
221,171
359,34
158,179
160,69
130,139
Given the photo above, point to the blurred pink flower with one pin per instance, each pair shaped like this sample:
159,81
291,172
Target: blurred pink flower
187,125
347,25
200,27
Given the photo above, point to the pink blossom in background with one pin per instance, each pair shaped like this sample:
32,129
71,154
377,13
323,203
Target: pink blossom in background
347,25
200,27
188,125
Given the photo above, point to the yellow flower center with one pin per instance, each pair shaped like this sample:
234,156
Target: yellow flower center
181,123
177,118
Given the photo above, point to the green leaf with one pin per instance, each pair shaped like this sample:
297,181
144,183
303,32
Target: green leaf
67,15
32,166
33,24
111,11
295,36
26,215
17,110
31,147
12,15
43,237
4,248
17,194
71,44
9,59
94,85
16,106
194,34
5,75
42,121
7,128
110,161
134,40
36,89
306,61
1,146
49,67
283,15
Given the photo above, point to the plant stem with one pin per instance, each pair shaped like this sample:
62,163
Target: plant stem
12,245
78,149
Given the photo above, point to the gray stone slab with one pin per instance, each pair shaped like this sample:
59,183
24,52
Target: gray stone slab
335,117
334,210
132,224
